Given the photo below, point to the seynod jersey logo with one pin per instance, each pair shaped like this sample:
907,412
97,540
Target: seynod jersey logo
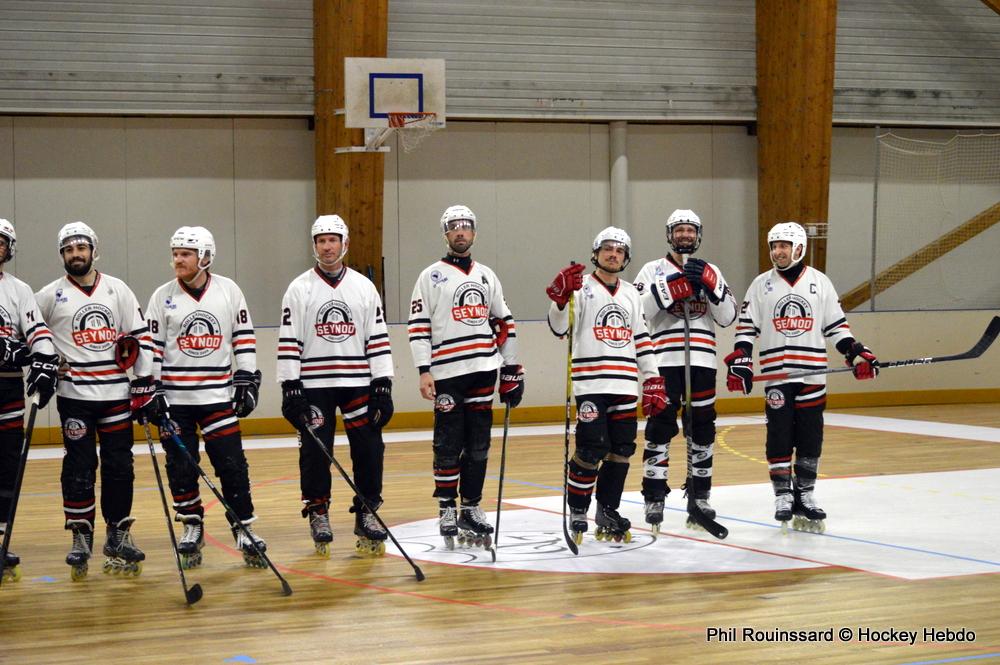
696,309
334,322
470,304
6,324
94,327
775,398
200,334
315,417
613,326
444,403
793,316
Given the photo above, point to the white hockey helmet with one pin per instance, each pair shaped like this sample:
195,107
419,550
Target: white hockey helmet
789,232
455,213
197,238
331,224
678,217
77,232
7,231
616,236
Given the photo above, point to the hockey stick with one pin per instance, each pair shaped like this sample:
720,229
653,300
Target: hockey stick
503,466
194,594
172,433
569,397
22,464
364,502
694,512
992,330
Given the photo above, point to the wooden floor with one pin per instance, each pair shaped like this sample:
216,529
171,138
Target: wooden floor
353,610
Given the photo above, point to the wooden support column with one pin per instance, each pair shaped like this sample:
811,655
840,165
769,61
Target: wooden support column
795,69
348,184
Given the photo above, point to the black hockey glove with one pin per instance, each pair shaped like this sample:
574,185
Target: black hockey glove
247,386
42,378
13,352
703,278
511,385
380,408
294,405
148,401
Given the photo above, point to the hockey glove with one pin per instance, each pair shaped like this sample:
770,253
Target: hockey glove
13,352
380,408
247,385
126,351
294,405
864,362
500,330
673,289
568,280
703,278
42,378
654,396
148,401
511,385
739,376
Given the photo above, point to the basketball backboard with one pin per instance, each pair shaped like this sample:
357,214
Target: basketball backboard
374,87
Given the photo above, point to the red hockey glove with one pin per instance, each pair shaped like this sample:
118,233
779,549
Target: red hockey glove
568,280
511,385
864,362
679,287
126,351
501,331
739,376
654,396
703,277
148,401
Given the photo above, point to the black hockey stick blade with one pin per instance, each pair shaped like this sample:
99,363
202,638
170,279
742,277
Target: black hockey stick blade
980,347
194,594
710,525
419,574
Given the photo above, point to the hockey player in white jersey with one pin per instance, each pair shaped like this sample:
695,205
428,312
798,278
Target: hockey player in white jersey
333,352
612,357
663,285
793,309
461,332
201,329
99,331
25,341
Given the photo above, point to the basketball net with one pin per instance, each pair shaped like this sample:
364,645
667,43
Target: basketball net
413,127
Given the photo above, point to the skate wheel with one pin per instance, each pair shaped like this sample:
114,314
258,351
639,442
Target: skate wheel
449,542
189,561
78,573
487,541
784,528
380,549
627,537
578,537
12,574
322,549
655,528
110,568
618,537
136,569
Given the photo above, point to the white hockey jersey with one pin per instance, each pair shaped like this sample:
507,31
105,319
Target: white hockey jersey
793,322
333,333
197,340
612,352
665,318
86,327
21,318
449,325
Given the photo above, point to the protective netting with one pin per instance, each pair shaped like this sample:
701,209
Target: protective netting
937,223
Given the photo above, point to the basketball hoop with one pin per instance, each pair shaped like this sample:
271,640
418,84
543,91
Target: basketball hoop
413,127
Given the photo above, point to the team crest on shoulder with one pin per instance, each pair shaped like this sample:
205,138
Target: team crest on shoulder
469,305
94,327
200,334
793,316
613,326
587,413
334,322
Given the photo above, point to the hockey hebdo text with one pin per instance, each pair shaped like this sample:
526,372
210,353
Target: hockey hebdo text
863,634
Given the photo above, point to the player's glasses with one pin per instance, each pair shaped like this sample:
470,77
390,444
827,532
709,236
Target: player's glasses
456,224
